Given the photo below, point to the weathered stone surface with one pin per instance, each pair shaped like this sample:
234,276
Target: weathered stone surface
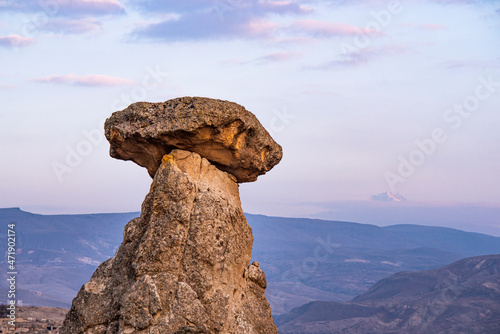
255,274
183,264
223,132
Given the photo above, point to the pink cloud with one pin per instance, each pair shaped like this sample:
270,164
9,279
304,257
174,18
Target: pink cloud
330,29
73,8
425,26
68,26
8,86
362,56
260,28
269,58
276,57
473,63
215,19
92,6
283,7
249,8
15,41
96,80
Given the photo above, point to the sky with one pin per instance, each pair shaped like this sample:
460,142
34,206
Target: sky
364,96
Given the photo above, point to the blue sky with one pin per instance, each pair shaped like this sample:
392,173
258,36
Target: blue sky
364,96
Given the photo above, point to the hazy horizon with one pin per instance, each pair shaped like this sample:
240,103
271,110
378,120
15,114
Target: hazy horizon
365,97
480,218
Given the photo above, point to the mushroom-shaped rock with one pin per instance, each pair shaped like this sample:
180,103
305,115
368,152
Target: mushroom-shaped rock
223,132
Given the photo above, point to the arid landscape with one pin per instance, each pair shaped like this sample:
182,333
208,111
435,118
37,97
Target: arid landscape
250,167
33,320
443,300
463,297
341,292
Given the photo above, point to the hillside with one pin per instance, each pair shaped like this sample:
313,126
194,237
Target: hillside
304,259
33,319
463,297
56,254
311,259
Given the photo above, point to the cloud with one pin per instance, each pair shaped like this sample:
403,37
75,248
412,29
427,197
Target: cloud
266,59
154,6
4,87
96,80
453,2
55,8
230,19
330,29
15,41
276,57
361,57
377,2
252,7
472,63
429,27
71,26
279,7
206,26
215,19
351,59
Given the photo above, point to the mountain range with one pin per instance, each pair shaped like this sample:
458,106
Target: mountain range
463,297
305,260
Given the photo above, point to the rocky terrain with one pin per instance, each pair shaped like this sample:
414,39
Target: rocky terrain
307,260
222,132
33,319
463,297
57,254
184,264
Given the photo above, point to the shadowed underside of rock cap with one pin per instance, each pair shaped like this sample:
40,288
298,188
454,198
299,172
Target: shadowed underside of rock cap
223,132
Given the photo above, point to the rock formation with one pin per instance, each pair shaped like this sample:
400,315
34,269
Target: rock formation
183,265
223,132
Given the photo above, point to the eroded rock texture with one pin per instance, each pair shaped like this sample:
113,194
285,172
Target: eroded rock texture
183,266
223,132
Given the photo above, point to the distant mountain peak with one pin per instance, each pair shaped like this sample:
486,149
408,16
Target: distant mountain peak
388,197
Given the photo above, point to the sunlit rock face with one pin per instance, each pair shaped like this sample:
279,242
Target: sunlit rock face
223,132
184,264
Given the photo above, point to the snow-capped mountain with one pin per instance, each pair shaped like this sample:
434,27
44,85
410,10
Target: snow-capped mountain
388,197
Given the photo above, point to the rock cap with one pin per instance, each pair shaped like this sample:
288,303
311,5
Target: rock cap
223,132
